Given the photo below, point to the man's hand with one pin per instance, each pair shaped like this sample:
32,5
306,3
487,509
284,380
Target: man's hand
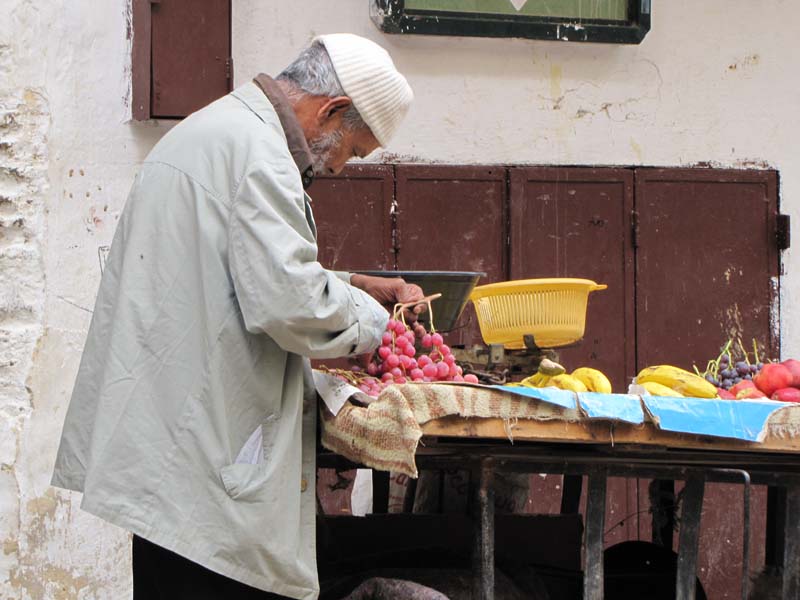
390,291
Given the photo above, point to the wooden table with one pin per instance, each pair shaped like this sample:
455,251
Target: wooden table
600,449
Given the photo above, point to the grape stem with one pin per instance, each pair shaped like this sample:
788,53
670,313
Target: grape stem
741,346
400,307
354,378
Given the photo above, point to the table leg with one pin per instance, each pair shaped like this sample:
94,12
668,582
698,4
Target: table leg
380,492
410,496
483,551
662,497
791,552
776,513
593,586
571,494
686,581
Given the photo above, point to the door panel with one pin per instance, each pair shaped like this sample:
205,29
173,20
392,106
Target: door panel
353,216
452,219
707,263
568,222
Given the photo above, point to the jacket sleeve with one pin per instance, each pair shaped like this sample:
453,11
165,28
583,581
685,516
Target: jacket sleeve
281,288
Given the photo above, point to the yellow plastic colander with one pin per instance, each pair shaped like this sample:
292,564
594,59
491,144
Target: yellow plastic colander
552,310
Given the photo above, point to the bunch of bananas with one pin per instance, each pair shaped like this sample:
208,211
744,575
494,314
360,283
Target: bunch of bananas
666,380
584,379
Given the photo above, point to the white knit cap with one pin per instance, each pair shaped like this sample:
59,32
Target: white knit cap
368,76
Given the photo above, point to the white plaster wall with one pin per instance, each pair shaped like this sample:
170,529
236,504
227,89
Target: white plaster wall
64,80
714,81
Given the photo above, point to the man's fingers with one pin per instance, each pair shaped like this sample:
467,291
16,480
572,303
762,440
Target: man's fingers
410,292
410,315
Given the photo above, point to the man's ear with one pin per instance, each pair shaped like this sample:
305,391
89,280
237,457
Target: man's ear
331,107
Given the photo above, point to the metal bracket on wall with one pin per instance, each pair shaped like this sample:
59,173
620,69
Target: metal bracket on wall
784,233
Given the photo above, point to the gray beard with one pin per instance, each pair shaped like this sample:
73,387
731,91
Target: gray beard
321,149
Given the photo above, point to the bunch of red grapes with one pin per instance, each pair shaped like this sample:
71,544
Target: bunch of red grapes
396,361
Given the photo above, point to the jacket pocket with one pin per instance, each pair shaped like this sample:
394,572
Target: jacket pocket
244,480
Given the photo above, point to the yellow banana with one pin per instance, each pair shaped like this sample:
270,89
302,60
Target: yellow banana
548,367
594,380
533,380
683,382
656,389
567,382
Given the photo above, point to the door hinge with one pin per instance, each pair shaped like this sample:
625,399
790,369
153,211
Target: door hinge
229,68
634,229
784,233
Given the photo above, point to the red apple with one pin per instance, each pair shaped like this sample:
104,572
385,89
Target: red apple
750,392
794,367
771,377
788,394
744,384
725,394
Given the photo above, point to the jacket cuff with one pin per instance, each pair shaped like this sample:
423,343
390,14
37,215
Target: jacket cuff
343,275
372,321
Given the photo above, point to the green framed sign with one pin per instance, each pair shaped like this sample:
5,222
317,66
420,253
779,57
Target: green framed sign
604,21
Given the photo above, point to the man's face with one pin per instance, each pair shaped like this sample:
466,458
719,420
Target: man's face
331,149
332,141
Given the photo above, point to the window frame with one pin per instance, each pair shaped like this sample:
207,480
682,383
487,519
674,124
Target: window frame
391,16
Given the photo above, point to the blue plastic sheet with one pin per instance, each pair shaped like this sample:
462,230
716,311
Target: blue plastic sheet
562,398
620,407
741,419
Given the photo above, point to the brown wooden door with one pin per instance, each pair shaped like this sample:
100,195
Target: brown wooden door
569,222
453,219
707,268
353,216
707,263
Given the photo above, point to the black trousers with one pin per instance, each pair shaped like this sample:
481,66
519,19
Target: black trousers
159,574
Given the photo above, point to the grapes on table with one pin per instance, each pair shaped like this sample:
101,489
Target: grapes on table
407,354
728,370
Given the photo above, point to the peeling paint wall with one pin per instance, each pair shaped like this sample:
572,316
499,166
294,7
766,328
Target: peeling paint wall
712,83
68,154
24,124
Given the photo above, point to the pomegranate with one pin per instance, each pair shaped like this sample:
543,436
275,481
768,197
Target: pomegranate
750,392
787,394
794,367
772,377
744,384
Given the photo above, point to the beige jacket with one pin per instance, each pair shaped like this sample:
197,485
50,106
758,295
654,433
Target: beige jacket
209,307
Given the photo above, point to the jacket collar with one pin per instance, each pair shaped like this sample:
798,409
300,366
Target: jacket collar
295,138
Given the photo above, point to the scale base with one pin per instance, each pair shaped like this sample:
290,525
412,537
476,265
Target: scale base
495,365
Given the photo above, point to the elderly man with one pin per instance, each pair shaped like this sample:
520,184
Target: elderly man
192,421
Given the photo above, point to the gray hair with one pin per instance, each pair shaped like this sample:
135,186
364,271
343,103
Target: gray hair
312,73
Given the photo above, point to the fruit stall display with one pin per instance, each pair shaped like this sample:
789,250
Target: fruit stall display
551,312
742,375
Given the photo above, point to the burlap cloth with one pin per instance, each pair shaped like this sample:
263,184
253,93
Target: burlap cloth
385,434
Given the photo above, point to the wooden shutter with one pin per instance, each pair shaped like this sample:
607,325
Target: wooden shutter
353,216
453,219
707,263
569,222
181,56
